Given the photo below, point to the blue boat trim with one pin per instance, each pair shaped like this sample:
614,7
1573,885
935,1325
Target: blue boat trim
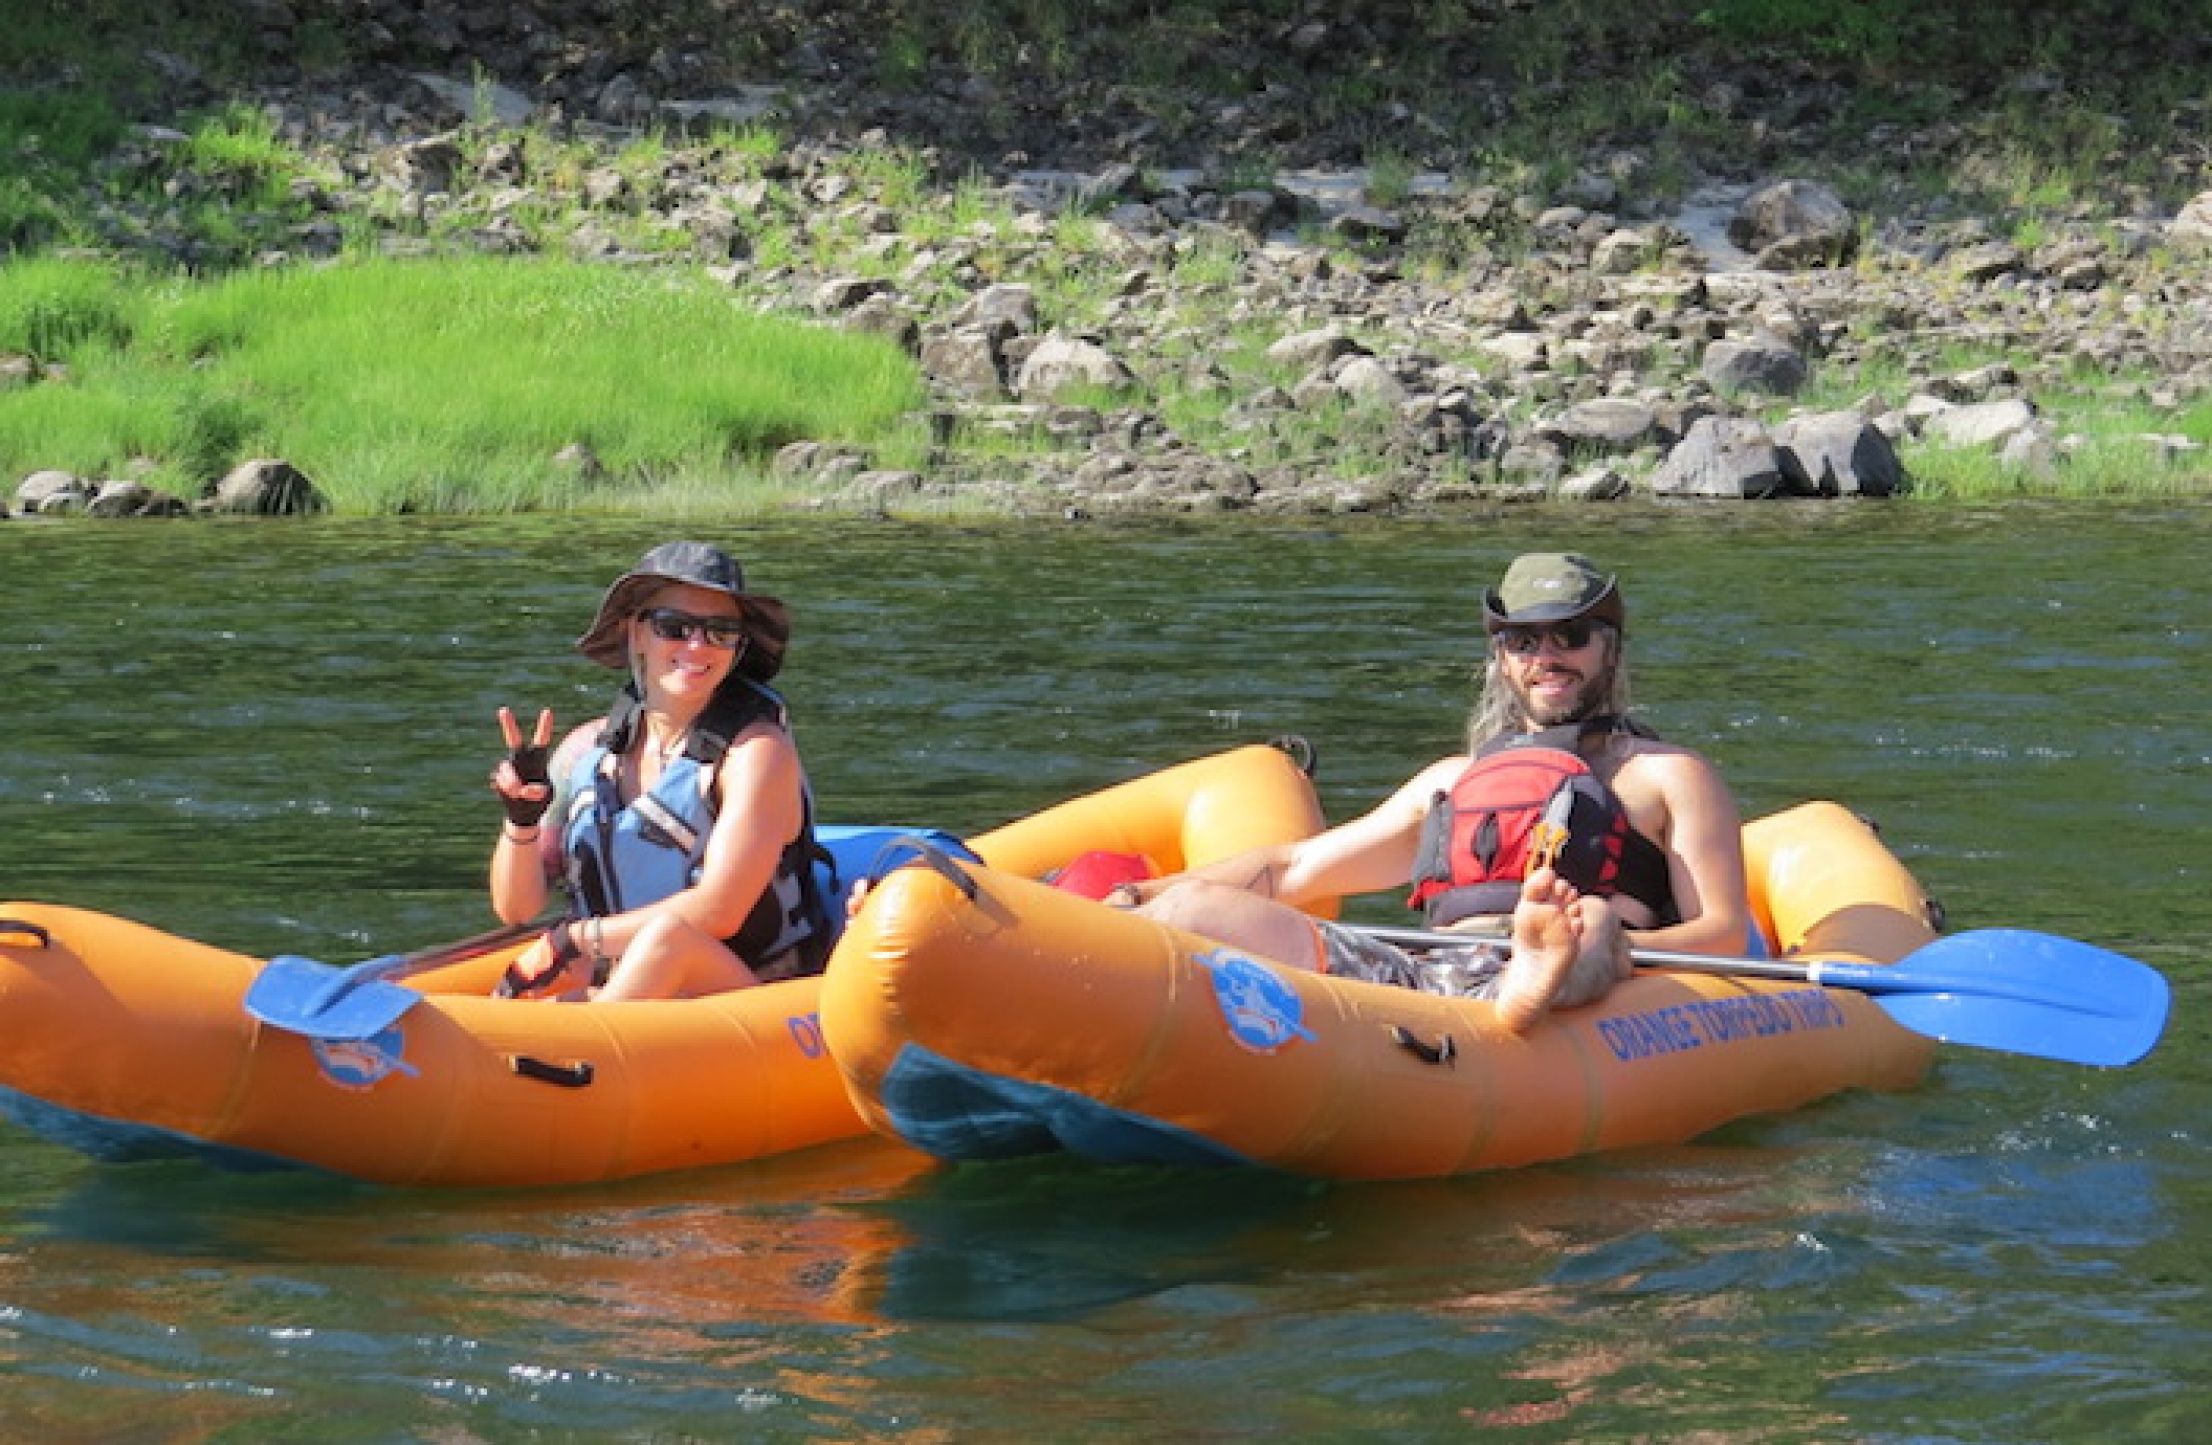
121,1141
956,1112
870,851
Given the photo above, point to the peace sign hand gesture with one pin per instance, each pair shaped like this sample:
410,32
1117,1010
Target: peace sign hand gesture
522,779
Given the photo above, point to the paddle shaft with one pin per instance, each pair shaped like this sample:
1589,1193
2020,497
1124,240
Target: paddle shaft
463,949
1652,957
1910,974
402,965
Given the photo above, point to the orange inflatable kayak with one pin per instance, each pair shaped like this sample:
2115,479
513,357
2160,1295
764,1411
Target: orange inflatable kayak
128,1042
996,1017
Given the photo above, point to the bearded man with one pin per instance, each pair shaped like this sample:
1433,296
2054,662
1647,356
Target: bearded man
1566,835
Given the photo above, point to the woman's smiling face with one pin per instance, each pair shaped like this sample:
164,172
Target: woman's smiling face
680,655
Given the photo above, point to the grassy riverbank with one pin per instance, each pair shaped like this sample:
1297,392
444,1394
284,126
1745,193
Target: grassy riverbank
467,384
220,284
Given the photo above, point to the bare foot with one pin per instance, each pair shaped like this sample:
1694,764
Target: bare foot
1548,929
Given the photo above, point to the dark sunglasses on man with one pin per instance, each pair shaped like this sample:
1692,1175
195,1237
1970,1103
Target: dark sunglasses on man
1570,636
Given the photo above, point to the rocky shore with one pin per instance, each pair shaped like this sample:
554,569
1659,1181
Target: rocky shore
1282,339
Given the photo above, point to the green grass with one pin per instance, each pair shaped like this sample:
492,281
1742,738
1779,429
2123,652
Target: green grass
52,309
404,386
2114,442
2105,467
2116,449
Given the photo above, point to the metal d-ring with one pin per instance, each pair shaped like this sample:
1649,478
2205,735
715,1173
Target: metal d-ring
1302,752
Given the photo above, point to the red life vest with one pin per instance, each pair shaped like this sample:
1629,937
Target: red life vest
1477,839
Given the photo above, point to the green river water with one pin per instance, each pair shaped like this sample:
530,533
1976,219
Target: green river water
274,737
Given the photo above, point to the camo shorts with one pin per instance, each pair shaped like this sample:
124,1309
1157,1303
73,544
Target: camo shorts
1472,971
1455,972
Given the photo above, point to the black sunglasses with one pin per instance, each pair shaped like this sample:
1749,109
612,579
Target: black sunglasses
1566,636
670,625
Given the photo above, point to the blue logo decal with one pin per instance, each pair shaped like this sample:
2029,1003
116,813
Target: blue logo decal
1262,1010
806,1032
363,1063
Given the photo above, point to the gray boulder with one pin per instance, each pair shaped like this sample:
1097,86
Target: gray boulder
1764,364
1979,424
265,487
1838,454
52,493
1794,224
1730,458
1061,362
2192,229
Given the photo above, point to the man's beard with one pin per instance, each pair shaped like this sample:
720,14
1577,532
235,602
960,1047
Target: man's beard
1587,698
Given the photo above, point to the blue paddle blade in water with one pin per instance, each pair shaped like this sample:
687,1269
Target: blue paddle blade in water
2022,992
316,999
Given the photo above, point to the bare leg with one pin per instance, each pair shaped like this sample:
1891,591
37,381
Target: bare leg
1560,938
670,958
1242,920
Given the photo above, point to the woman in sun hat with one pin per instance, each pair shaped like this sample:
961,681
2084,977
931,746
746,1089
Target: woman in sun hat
681,824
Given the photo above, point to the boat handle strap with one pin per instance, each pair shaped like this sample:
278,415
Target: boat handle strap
1443,1051
940,860
567,1076
28,930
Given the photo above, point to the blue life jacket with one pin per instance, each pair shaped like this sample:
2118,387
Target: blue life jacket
627,855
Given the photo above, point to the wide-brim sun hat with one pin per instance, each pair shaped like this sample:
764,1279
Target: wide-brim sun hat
767,620
1542,587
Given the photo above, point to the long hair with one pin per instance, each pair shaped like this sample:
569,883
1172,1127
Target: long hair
1497,708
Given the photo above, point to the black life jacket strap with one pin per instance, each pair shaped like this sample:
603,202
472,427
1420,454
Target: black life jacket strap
737,705
1570,737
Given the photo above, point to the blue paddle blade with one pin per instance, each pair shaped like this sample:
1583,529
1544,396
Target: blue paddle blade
323,1002
2021,992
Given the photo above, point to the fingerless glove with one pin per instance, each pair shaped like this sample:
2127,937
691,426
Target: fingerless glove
530,765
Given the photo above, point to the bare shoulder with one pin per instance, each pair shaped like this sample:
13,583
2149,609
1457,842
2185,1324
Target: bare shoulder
1409,803
1658,755
580,738
1437,777
1443,772
1649,766
764,755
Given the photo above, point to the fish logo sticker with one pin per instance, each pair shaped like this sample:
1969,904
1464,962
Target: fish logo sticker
361,1064
1262,1010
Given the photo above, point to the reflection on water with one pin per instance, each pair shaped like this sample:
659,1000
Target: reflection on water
283,745
1049,1239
